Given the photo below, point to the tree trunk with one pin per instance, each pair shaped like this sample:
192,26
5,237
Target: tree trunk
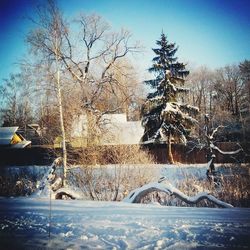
64,150
59,96
169,151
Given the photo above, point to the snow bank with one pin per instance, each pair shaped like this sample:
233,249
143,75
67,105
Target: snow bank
26,224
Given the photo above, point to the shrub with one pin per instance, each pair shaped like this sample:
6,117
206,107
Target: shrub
233,189
111,182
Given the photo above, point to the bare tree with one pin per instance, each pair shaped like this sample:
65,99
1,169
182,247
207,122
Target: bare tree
100,50
47,40
87,68
200,81
245,105
219,94
103,73
16,107
229,86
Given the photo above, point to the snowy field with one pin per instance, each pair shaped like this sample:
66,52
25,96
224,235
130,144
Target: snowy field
25,224
172,172
28,223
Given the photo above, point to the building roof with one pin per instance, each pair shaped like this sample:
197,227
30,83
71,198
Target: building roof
6,134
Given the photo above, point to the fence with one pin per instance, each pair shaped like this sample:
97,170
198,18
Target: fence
183,154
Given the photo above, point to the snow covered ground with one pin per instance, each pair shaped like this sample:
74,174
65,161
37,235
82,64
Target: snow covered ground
172,172
24,224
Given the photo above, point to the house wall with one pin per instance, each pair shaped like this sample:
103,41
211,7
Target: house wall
119,131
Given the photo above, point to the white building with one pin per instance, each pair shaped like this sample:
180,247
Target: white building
119,131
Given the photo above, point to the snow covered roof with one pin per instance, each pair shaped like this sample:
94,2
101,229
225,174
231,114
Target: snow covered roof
6,134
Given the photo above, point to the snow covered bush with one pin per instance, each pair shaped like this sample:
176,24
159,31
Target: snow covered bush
16,185
112,182
234,189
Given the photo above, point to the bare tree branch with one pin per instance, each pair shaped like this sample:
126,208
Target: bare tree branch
226,152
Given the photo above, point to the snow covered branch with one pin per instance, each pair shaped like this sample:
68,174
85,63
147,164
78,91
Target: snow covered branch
215,131
136,195
68,192
51,184
50,175
225,152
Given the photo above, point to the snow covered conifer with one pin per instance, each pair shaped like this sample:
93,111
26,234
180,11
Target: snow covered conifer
164,118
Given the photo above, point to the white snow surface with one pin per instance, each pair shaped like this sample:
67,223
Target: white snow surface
79,224
25,224
173,173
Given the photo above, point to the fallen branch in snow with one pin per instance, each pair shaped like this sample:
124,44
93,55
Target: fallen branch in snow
68,193
136,195
50,176
53,185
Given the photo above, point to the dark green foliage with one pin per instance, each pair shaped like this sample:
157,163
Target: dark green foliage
163,116
165,60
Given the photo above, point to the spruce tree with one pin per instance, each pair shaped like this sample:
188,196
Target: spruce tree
164,118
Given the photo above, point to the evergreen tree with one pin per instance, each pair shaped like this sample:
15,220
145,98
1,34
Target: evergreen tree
163,117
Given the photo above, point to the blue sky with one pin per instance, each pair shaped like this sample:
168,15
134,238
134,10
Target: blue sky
208,32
